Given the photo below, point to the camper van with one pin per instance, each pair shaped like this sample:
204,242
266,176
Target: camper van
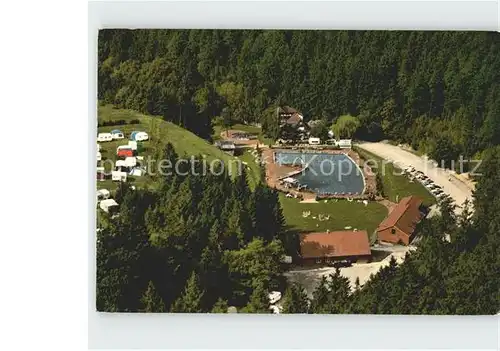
108,205
101,174
117,134
133,145
130,162
101,137
124,151
119,164
119,176
137,172
102,194
314,141
139,136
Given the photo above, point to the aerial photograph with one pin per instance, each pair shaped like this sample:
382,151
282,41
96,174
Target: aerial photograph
297,171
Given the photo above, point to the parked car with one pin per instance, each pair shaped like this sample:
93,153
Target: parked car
341,264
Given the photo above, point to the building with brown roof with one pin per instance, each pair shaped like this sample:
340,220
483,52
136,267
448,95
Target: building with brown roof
290,116
399,226
332,246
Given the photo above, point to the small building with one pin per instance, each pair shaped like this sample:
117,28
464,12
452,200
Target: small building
399,226
108,205
226,146
333,246
99,156
290,116
117,134
314,141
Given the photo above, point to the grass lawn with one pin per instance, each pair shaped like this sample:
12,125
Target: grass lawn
160,132
342,214
398,186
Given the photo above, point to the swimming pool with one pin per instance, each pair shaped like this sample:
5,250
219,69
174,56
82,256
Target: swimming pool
325,173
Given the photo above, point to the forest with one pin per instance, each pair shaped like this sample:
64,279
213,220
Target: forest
182,249
437,91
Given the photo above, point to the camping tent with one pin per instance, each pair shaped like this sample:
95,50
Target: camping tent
107,205
117,134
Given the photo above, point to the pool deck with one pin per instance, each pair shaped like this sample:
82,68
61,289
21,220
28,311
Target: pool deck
276,172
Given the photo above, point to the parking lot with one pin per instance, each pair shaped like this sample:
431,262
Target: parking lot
310,278
449,183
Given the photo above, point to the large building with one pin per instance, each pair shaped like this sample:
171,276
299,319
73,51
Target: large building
333,246
399,226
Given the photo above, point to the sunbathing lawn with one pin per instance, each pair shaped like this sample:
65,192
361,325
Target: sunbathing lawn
398,186
342,214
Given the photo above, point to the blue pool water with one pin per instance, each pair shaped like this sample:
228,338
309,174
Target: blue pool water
326,173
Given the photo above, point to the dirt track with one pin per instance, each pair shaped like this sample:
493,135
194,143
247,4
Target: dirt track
451,184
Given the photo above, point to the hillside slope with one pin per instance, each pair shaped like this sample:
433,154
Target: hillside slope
160,132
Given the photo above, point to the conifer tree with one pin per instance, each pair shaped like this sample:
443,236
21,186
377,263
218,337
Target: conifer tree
220,306
259,301
320,300
190,300
151,301
295,300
